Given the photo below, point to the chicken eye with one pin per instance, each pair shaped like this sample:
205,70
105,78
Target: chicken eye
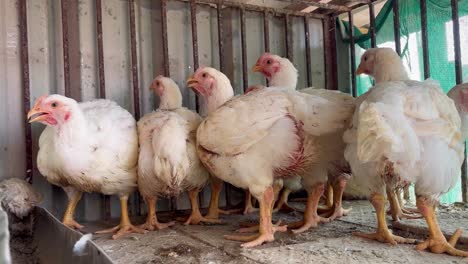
204,75
365,58
157,83
54,104
268,61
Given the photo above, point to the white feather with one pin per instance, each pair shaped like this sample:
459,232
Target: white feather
80,245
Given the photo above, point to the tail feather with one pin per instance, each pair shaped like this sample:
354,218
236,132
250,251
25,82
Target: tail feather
170,151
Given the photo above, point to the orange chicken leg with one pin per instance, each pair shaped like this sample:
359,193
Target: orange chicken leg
337,210
436,242
267,229
383,233
125,227
196,217
214,211
311,218
68,219
152,222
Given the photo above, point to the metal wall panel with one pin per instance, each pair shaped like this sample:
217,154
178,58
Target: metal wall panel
46,66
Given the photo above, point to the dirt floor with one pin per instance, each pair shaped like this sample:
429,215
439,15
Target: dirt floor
329,243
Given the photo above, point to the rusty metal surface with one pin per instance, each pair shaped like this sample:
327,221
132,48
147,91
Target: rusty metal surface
250,7
220,35
288,37
167,72
329,38
396,25
100,51
55,242
66,61
23,26
372,25
352,52
135,200
425,44
307,50
245,73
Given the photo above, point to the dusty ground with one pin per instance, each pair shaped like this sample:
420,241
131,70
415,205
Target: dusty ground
329,243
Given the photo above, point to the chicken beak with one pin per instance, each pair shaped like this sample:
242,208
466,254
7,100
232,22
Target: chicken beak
192,82
360,70
257,68
36,115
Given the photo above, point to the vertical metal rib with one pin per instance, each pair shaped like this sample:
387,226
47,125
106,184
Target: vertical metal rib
456,41
266,34
220,35
135,204
307,48
167,72
23,26
66,59
193,18
244,51
288,36
266,31
425,45
100,50
352,53
329,38
372,25
396,26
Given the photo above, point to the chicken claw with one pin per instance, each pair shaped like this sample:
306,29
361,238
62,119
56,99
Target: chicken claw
152,222
311,218
121,230
72,223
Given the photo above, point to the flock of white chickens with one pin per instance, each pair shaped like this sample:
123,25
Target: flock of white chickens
400,132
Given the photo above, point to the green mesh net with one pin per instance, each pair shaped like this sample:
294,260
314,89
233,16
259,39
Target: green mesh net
440,42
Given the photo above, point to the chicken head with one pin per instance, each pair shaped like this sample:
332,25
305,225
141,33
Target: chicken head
168,92
52,110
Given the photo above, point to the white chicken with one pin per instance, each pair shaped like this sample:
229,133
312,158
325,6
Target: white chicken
406,132
281,73
253,139
88,147
168,162
384,64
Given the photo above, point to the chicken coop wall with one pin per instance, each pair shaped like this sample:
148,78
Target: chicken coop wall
113,49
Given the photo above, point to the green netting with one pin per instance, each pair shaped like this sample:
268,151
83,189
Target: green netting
440,41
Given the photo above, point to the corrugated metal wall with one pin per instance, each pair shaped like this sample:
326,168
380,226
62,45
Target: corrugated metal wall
46,65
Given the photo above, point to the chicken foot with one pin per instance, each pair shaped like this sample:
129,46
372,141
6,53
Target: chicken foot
249,208
436,242
311,218
125,227
214,210
282,204
337,210
328,200
266,229
152,222
73,199
196,217
396,210
383,234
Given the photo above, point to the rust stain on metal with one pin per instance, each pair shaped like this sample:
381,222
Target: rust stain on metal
353,54
396,25
329,39
23,26
372,25
66,60
167,72
307,49
266,34
220,35
245,77
193,19
288,36
100,50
